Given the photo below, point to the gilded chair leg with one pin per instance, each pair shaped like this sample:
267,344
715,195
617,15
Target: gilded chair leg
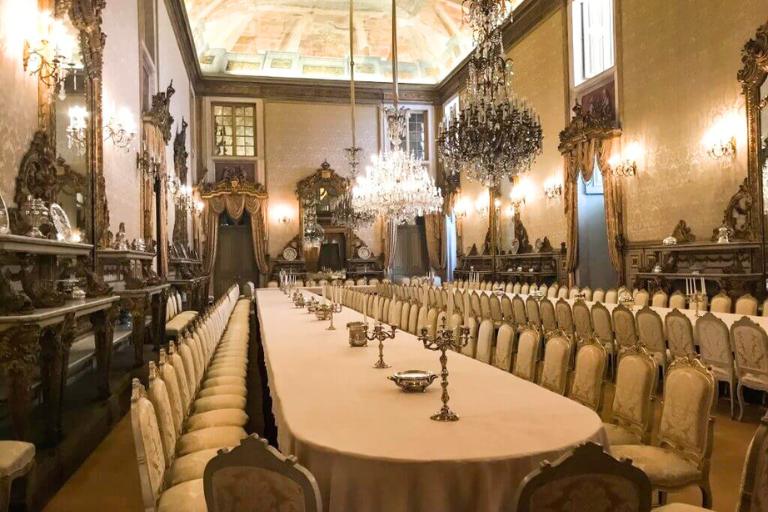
740,392
706,494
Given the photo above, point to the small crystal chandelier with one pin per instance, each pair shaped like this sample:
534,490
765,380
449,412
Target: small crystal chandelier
494,135
76,130
397,185
344,213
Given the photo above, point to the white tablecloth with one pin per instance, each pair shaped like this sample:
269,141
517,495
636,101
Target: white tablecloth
374,448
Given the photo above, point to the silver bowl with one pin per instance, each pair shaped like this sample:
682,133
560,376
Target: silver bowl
413,381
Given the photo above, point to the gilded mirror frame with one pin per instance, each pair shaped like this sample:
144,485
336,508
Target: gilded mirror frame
752,76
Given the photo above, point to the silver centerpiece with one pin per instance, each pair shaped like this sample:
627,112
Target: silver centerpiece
444,340
413,381
36,214
357,332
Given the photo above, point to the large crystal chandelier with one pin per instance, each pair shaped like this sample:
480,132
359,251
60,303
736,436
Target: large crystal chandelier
344,212
397,184
494,135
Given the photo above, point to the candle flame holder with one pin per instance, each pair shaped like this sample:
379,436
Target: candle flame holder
380,334
442,341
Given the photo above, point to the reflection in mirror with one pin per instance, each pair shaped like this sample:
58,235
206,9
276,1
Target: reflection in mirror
763,147
71,142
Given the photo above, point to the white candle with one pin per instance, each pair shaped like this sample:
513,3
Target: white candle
703,286
365,311
687,286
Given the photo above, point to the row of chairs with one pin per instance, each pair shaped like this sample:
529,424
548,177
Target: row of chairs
362,281
176,319
575,367
194,405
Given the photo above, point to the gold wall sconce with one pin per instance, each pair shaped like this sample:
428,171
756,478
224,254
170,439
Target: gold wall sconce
461,208
521,191
553,188
625,164
720,140
51,52
282,214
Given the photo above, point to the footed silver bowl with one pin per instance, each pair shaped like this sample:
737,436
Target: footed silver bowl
413,381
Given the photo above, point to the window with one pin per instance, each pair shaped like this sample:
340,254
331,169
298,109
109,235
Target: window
451,108
234,129
593,41
415,140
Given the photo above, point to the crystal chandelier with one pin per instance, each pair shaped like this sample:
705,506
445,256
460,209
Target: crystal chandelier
313,234
344,213
397,185
76,130
494,135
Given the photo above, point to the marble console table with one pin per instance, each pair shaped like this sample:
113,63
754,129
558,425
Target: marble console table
138,302
195,288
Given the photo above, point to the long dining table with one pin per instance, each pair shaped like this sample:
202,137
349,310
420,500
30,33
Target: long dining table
373,447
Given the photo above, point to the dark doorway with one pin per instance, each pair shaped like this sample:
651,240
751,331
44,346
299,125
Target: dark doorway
411,250
235,261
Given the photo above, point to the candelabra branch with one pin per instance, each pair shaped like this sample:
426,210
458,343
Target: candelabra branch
380,334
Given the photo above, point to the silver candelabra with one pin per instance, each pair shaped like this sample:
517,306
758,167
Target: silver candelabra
444,340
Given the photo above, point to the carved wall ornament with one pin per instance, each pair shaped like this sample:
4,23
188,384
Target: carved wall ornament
597,121
36,178
683,234
160,114
180,155
323,178
234,182
738,214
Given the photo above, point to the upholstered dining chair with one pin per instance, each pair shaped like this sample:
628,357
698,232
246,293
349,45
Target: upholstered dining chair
413,318
717,352
484,350
421,323
485,306
563,292
533,288
507,310
582,320
681,455
642,297
509,287
533,313
272,284
721,303
588,373
557,357
575,481
548,317
587,292
526,360
256,477
474,300
603,330
679,334
505,347
517,287
525,289
650,333
677,300
573,292
552,291
496,314
405,312
611,296
395,310
746,305
632,409
518,308
543,290
598,295
660,299
624,329
16,460
564,316
750,346
431,323
764,308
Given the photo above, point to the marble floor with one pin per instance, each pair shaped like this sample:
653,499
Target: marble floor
108,480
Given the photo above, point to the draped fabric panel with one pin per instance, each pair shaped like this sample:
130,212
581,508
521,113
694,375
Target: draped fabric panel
155,144
211,241
434,225
389,245
235,205
581,158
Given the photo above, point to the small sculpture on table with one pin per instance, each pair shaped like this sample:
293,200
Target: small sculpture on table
380,334
121,239
444,340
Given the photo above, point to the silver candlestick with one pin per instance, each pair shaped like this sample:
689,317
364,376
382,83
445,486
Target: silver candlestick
444,340
380,334
335,307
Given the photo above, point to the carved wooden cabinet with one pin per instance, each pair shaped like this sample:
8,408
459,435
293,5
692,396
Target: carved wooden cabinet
534,267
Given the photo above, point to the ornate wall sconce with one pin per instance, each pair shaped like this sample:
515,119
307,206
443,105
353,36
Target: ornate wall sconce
461,208
76,130
509,211
625,164
50,54
553,188
482,206
184,198
121,130
282,214
199,206
720,140
519,193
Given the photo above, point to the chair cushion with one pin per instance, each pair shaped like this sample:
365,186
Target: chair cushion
14,457
228,389
664,467
619,435
190,467
217,418
224,381
180,321
212,403
188,497
208,438
233,371
680,507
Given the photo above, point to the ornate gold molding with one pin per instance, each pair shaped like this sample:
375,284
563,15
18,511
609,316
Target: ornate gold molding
234,182
180,155
160,114
599,122
324,177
